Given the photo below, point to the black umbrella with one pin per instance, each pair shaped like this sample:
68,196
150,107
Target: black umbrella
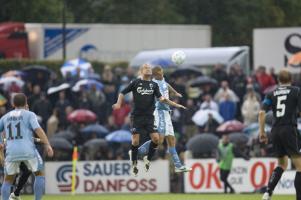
187,71
60,143
202,143
68,135
238,138
203,80
37,72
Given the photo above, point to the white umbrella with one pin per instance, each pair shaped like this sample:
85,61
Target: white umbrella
59,88
202,116
8,81
87,83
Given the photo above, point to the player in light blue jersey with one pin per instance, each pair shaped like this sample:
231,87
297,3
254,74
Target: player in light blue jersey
163,122
18,126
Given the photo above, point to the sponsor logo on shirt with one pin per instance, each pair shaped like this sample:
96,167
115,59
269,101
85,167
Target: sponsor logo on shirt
144,91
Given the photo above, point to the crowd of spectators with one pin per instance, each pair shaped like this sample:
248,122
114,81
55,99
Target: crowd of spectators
236,96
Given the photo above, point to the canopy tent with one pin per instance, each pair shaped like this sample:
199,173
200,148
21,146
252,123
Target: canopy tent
197,57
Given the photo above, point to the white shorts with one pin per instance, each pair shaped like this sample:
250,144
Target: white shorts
33,165
163,122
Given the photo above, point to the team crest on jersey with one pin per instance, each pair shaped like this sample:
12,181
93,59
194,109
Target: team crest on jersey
151,85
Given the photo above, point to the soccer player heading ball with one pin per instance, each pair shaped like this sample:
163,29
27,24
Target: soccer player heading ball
145,91
285,103
163,121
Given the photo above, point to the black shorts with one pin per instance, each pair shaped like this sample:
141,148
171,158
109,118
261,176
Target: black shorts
143,124
286,141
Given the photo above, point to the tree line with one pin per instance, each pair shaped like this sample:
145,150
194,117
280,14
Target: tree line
232,21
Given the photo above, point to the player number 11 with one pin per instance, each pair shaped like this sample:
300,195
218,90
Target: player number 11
280,106
10,132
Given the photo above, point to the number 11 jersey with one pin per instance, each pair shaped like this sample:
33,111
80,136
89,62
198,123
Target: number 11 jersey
17,126
285,101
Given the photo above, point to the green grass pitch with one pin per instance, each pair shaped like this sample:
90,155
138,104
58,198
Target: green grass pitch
162,197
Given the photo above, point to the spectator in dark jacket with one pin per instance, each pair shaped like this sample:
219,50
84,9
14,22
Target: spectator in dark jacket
43,108
61,105
219,73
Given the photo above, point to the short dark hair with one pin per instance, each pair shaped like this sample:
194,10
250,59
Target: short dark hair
284,76
19,100
157,70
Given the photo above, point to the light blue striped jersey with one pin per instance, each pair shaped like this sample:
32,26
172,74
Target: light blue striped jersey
18,126
163,86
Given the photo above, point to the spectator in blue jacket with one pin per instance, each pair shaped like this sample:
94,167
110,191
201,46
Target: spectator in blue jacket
227,108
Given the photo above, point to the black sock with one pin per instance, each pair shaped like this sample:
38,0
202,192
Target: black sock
298,185
21,182
274,179
134,153
152,150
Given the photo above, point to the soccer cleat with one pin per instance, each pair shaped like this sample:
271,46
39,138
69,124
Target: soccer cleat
135,169
182,169
146,163
266,196
14,197
134,165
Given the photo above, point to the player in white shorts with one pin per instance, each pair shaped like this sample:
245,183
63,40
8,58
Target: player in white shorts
163,122
18,126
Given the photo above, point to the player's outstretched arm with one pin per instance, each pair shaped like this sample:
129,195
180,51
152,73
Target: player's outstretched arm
118,104
41,134
261,120
173,91
171,103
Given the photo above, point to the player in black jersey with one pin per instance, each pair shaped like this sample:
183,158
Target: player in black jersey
145,91
285,103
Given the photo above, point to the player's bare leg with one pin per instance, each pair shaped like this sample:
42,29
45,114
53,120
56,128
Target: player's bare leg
133,153
179,167
6,186
151,151
275,177
297,163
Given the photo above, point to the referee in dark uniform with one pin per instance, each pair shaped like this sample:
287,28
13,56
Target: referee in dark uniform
145,91
285,103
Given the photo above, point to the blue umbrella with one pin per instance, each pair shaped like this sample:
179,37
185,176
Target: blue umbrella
71,67
100,130
119,136
87,84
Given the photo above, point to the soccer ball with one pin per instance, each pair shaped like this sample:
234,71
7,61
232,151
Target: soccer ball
178,57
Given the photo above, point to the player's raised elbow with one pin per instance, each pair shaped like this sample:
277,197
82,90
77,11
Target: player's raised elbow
162,99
